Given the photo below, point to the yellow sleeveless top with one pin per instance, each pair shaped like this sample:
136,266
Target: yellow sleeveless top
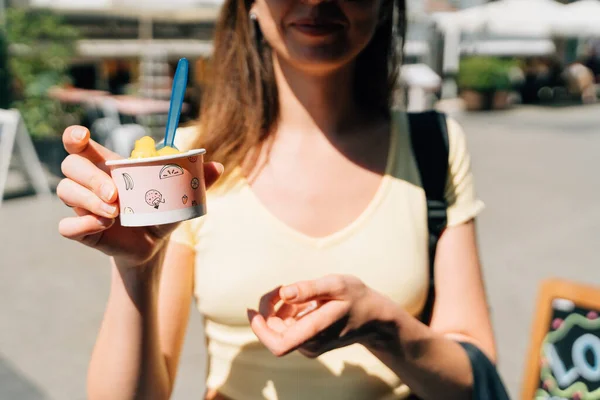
243,251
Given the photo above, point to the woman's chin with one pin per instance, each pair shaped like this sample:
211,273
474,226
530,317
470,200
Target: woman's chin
319,58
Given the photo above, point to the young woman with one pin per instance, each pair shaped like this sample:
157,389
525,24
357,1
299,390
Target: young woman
320,194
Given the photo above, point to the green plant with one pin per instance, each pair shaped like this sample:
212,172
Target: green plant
485,74
42,47
5,79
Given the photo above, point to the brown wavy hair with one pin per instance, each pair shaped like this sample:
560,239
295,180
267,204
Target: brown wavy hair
240,103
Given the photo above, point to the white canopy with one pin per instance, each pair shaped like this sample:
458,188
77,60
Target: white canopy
530,47
95,49
581,18
529,18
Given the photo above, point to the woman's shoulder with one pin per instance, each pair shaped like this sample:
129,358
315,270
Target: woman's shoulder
457,140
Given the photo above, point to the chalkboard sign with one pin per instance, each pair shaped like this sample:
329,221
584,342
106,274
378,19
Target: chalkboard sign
564,358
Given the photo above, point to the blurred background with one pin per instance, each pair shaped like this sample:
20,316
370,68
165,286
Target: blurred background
521,76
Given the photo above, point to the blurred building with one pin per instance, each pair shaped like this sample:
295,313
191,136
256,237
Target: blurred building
135,42
139,41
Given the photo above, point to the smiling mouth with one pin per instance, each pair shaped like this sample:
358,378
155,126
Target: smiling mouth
318,28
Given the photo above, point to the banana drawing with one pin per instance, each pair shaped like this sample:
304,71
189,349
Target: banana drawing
128,181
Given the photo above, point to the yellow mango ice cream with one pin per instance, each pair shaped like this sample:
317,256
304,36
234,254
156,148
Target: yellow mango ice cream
146,147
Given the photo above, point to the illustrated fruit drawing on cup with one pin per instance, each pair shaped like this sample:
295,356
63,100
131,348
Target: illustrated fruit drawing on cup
160,189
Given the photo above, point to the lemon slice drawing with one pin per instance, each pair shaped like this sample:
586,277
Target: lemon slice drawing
170,170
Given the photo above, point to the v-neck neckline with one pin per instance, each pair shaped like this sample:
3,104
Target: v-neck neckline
356,223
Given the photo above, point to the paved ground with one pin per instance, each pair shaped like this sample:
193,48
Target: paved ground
535,168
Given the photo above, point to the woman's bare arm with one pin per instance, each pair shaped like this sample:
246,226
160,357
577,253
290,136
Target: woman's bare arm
461,309
141,337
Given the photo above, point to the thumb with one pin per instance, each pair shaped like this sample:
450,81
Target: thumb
328,288
76,140
212,172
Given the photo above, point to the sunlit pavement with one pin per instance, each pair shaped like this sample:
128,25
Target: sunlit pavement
536,169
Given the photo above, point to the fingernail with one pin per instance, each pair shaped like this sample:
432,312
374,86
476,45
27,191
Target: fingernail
109,208
290,292
106,191
250,313
78,133
105,221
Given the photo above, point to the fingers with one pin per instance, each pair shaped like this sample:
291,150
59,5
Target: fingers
271,305
271,338
85,173
75,195
328,287
276,324
292,312
314,323
76,140
212,172
268,302
85,224
282,343
307,308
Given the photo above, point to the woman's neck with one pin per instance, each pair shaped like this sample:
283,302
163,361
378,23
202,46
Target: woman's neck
315,104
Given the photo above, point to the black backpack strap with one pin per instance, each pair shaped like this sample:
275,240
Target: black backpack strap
429,137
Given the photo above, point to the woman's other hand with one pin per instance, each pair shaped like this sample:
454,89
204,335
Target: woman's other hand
317,316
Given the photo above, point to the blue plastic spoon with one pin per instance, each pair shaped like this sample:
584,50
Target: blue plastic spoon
177,94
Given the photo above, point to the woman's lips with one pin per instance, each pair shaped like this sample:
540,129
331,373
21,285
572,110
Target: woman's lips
318,27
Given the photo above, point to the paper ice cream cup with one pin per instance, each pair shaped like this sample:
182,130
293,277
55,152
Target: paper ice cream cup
160,190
